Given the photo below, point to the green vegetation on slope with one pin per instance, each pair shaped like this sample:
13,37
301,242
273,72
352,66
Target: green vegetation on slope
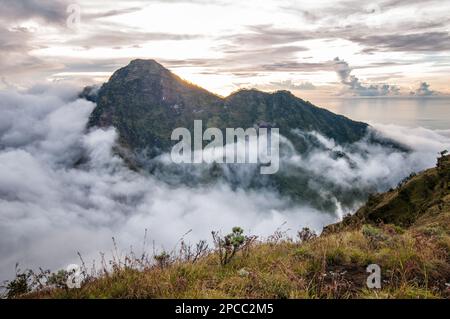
145,102
417,200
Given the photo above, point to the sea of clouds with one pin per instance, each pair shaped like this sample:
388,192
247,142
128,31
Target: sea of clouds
63,190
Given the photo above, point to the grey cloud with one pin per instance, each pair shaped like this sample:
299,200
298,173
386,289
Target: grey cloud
214,2
338,11
16,60
279,50
416,33
386,64
342,69
17,42
14,39
417,42
402,3
190,62
113,38
424,90
261,35
244,60
110,13
53,12
333,15
52,208
49,204
386,76
297,66
352,85
268,36
97,65
290,85
287,85
407,41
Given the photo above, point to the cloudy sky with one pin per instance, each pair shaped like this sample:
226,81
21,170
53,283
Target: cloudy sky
313,48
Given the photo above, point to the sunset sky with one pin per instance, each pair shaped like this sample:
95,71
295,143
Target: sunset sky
313,48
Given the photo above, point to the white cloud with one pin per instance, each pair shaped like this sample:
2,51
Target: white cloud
424,90
223,41
62,189
51,208
353,85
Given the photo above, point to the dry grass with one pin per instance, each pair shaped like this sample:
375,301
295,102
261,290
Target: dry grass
414,263
414,258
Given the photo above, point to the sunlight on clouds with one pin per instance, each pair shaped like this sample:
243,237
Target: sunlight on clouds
225,44
169,49
221,84
204,18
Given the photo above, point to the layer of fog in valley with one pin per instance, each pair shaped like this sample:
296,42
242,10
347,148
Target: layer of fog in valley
63,190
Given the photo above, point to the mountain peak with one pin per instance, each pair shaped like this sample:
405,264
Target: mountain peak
142,68
146,63
145,102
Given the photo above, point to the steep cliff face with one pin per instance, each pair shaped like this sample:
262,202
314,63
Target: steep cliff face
145,102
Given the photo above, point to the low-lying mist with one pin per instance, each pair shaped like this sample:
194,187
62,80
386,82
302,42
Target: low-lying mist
63,189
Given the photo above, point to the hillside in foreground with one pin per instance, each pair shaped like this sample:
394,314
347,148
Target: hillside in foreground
405,231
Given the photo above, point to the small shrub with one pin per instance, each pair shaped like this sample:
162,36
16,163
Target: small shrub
163,259
303,252
373,234
193,254
393,229
335,257
306,235
359,257
399,230
58,279
433,231
406,180
228,246
243,272
20,285
370,231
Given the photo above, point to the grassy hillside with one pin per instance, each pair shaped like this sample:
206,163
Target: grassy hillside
405,231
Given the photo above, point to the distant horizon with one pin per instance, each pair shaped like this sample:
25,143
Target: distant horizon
296,93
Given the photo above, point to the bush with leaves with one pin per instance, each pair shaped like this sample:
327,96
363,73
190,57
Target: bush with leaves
27,281
163,259
192,254
306,235
228,246
58,279
374,235
19,286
